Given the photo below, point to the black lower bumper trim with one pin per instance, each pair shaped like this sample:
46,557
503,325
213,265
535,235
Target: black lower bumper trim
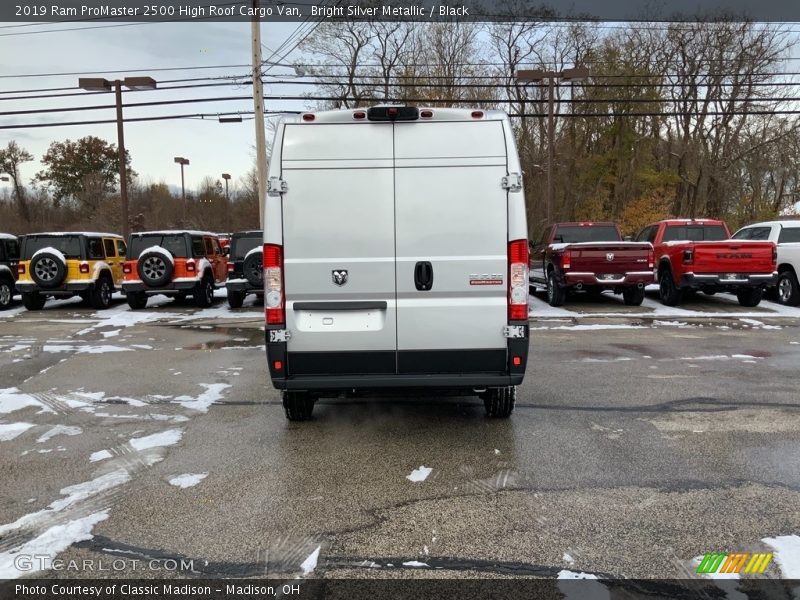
449,381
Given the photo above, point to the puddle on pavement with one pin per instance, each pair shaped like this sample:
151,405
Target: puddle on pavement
236,337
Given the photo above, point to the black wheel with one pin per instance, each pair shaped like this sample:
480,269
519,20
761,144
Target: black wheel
33,301
750,296
48,270
100,297
499,402
154,268
788,290
298,405
136,300
633,296
6,293
667,290
236,298
555,293
253,269
204,293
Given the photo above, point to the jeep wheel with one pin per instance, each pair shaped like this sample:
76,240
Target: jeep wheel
33,301
788,289
298,405
136,300
750,297
709,292
633,296
154,268
204,293
555,293
48,270
667,290
6,292
499,402
253,269
100,297
236,298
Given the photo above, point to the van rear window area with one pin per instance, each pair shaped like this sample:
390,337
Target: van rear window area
174,244
69,246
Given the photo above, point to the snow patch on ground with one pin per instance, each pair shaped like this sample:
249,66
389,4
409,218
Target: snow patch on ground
567,574
187,480
415,563
568,559
597,327
12,399
157,440
99,455
102,349
50,543
59,430
8,431
420,474
787,554
206,399
310,563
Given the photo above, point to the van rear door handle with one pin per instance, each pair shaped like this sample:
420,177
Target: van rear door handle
423,275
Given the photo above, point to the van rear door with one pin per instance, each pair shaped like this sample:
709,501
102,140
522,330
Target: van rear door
451,238
338,236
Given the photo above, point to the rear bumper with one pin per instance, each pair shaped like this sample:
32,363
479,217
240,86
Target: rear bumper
721,280
632,278
172,287
336,371
67,289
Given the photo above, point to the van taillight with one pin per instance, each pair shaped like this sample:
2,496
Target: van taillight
426,114
477,114
566,261
359,114
651,259
308,117
21,269
273,284
518,280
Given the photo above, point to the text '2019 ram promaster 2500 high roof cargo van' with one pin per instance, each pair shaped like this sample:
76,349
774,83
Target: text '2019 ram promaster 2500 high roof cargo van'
396,255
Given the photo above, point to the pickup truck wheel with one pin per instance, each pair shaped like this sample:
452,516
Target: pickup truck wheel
709,292
33,301
136,300
100,296
788,289
667,290
499,402
6,292
555,293
204,293
750,297
298,405
236,298
633,296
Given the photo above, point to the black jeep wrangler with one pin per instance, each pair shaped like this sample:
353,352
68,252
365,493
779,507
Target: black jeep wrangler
245,267
9,257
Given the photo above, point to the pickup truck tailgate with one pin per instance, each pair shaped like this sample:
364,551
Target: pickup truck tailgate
610,257
733,257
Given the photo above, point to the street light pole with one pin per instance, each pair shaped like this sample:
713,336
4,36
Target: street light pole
183,162
227,177
574,74
98,84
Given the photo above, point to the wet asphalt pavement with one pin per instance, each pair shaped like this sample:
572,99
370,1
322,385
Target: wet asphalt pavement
635,447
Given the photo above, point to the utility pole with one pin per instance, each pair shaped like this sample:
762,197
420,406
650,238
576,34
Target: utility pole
258,108
574,74
227,177
183,162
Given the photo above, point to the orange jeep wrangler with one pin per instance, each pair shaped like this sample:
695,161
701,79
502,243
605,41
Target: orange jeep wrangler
173,263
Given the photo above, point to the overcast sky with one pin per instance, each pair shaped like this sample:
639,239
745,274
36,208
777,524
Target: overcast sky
212,148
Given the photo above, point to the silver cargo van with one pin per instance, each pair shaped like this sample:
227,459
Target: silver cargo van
396,256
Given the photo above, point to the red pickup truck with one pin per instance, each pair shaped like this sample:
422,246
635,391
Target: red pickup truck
698,255
591,257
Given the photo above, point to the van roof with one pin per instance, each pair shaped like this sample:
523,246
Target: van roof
345,115
782,222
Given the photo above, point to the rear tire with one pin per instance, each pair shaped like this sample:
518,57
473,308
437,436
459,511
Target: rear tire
33,301
6,294
750,297
555,293
709,292
100,296
499,402
299,406
667,290
236,298
136,300
204,293
788,289
633,296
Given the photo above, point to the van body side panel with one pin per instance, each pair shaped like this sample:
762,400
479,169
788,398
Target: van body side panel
338,218
451,211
